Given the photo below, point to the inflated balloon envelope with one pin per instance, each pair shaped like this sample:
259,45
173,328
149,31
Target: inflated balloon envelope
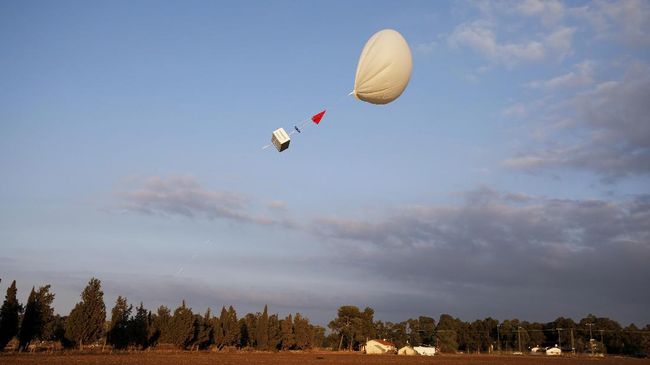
384,68
383,72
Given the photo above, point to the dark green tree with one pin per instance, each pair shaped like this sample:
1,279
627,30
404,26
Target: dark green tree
248,330
262,336
56,331
447,333
286,331
347,325
318,336
397,333
414,333
162,325
182,326
561,332
632,340
219,332
138,328
275,335
382,330
427,330
118,332
536,335
86,320
203,331
9,315
366,327
152,334
232,329
38,314
302,332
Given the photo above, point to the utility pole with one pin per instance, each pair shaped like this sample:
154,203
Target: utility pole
601,341
559,338
499,337
519,337
573,345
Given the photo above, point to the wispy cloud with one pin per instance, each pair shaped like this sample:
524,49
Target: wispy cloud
626,21
184,196
549,11
611,121
581,76
480,36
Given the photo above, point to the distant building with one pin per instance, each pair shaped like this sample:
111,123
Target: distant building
374,347
425,350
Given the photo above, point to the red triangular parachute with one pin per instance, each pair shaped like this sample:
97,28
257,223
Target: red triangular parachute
316,118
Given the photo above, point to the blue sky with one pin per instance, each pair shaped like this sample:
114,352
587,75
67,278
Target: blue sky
509,180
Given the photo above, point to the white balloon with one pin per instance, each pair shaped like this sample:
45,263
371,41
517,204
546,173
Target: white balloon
384,68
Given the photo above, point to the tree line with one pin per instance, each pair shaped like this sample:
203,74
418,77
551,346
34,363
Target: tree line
451,335
137,328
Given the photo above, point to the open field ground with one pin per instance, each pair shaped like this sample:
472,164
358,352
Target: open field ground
243,358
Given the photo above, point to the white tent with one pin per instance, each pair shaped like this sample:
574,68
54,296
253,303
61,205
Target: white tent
425,350
407,350
553,351
380,347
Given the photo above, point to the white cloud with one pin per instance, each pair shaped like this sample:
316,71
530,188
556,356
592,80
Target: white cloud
626,21
516,110
583,75
560,42
549,11
184,196
481,37
610,128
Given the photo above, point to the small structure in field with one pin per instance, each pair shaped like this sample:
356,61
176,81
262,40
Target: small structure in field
553,351
407,350
425,350
537,350
374,347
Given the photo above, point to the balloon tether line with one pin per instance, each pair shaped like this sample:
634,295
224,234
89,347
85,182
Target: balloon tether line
305,122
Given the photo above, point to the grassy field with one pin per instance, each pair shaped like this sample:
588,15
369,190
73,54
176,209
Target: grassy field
245,358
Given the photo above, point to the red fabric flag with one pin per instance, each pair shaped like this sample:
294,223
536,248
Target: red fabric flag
316,118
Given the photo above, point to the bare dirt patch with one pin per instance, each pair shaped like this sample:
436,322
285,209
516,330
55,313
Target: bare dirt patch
308,358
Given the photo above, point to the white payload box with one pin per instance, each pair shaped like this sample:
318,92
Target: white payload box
280,139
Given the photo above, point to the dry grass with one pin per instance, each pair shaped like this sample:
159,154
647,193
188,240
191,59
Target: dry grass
308,358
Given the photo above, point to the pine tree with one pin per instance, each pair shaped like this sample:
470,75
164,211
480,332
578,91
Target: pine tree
162,325
286,330
219,324
38,314
152,334
231,328
118,333
301,329
263,331
139,328
9,315
275,336
29,322
182,326
86,320
248,330
203,330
